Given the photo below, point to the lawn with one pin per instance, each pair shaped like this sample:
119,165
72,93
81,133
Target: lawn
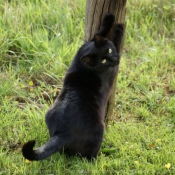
37,42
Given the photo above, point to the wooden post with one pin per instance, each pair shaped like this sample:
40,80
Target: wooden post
95,11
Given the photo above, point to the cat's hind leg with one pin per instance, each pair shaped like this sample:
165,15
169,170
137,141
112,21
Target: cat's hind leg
92,151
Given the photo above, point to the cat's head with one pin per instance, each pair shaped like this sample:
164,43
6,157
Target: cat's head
101,55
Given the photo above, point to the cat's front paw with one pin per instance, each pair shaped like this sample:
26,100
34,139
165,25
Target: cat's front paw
120,27
109,18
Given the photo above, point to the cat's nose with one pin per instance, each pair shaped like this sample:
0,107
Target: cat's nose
114,58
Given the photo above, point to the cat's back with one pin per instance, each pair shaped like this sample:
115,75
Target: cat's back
82,89
78,100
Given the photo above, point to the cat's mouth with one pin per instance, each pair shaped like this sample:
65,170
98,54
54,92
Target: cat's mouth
115,61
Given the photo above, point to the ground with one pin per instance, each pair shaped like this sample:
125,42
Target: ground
38,40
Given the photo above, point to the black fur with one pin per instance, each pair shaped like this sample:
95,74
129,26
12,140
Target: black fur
76,119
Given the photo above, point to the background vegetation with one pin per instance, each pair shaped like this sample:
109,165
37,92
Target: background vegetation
38,39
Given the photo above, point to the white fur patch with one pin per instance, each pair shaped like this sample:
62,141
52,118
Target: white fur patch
104,61
110,50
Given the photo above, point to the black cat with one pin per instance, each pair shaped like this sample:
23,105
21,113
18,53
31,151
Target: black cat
76,119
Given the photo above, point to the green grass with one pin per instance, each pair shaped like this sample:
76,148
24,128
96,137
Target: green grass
37,43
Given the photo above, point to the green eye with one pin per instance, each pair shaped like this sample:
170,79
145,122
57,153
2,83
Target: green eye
110,50
104,61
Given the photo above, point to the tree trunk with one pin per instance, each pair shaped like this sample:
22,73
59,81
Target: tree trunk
95,11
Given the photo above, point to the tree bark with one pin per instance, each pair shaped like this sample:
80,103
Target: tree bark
95,11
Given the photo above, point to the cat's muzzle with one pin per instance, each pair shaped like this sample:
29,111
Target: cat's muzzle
115,60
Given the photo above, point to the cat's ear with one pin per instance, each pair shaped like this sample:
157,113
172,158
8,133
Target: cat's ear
99,40
88,60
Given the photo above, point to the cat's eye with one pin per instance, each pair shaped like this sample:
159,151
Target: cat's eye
110,50
104,61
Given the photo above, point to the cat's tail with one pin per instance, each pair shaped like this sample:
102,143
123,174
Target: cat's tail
53,145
